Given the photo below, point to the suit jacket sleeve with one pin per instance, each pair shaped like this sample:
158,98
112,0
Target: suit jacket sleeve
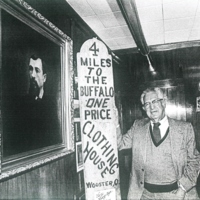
125,141
192,166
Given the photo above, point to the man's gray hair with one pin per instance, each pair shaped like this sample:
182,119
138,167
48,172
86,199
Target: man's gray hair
157,90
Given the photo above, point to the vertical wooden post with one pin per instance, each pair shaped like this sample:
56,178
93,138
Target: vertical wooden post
96,97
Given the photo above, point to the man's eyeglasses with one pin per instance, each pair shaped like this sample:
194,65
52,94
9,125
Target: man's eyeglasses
154,102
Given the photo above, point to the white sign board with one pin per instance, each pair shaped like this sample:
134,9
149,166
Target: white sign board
96,97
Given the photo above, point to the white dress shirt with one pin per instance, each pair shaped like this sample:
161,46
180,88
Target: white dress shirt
164,124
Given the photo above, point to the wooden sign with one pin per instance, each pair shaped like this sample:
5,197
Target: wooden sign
96,97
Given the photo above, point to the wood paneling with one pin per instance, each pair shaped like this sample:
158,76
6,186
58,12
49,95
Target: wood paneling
177,64
56,180
179,76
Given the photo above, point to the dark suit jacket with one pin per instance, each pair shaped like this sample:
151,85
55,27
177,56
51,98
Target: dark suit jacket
32,125
185,156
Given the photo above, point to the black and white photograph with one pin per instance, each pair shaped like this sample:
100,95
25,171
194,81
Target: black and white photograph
77,131
100,99
81,181
76,108
75,87
79,158
198,104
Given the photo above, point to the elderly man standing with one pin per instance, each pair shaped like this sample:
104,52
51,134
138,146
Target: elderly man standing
165,162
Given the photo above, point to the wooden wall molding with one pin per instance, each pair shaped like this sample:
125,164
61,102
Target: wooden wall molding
163,47
42,19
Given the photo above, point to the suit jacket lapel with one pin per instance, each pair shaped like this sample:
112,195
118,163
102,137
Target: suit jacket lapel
143,139
176,137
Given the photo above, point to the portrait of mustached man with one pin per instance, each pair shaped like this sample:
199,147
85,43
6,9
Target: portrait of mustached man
37,73
35,119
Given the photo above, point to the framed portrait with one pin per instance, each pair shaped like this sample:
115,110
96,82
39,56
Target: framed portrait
76,108
37,89
75,86
81,181
77,130
79,157
197,104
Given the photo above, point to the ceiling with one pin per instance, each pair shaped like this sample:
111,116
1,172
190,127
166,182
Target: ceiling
162,21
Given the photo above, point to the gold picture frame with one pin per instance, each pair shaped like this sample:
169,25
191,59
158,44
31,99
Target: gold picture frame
24,32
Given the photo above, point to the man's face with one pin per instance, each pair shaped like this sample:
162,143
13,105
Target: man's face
36,72
154,106
37,78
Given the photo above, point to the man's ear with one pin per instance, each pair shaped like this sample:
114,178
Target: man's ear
45,77
164,102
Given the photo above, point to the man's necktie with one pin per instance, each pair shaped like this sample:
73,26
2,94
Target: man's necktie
156,132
